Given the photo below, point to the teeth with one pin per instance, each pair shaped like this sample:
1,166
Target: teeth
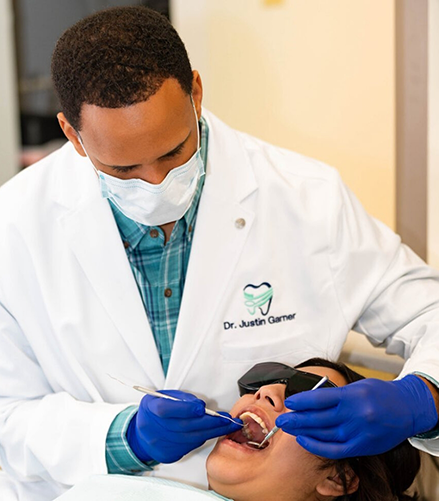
256,418
246,433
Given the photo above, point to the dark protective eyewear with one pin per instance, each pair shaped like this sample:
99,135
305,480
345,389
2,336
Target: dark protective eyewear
265,373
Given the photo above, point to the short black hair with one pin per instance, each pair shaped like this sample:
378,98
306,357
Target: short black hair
115,58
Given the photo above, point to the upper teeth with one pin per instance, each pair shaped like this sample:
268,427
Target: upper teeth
256,418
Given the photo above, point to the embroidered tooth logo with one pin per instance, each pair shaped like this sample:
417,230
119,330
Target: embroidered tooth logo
258,296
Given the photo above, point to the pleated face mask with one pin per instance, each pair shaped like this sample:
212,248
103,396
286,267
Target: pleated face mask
155,204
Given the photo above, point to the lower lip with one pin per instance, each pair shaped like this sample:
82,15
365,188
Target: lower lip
241,447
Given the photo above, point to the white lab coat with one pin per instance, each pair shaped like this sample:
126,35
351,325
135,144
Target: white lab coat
70,310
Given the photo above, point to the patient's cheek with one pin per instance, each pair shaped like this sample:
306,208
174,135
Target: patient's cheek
296,460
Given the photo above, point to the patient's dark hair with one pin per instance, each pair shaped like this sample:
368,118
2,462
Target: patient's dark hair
115,58
384,477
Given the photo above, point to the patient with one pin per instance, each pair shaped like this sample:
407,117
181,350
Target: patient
286,471
281,471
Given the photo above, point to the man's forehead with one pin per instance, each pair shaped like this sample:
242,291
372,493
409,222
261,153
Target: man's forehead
168,104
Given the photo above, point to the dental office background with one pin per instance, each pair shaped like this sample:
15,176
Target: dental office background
354,83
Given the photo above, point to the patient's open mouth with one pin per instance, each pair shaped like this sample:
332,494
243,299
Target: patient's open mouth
253,432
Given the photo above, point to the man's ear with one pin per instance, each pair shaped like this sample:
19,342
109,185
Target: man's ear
332,485
197,92
70,133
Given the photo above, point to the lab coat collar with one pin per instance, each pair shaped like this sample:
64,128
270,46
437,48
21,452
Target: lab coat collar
229,172
75,182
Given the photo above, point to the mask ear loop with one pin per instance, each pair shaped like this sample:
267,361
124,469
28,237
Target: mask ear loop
86,154
198,128
82,144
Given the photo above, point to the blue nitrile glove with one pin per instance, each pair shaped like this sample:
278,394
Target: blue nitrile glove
166,430
360,419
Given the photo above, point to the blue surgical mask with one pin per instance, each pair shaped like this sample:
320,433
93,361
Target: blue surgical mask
155,204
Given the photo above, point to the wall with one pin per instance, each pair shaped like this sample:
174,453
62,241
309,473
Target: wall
314,76
9,139
433,139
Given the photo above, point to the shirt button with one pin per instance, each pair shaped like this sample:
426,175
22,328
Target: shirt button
154,233
240,223
168,292
126,244
190,229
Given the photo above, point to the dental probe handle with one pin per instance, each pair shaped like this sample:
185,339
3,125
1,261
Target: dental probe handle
322,381
269,435
153,393
275,428
217,414
148,391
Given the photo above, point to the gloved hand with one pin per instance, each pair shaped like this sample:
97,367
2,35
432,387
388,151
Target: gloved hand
360,419
166,430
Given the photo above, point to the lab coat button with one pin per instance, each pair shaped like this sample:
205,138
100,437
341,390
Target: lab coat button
154,233
240,223
168,292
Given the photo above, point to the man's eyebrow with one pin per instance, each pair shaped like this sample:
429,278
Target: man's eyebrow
168,154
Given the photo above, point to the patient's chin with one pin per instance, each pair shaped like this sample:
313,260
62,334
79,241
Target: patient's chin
228,465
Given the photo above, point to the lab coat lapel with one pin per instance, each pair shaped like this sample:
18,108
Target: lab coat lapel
94,238
222,227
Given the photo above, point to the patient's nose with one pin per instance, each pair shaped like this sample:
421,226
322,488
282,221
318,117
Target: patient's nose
272,395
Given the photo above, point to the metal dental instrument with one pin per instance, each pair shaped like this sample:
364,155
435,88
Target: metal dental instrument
275,428
154,393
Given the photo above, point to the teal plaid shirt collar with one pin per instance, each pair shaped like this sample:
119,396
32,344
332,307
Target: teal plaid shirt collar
133,232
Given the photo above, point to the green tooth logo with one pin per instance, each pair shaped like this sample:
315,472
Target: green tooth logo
258,296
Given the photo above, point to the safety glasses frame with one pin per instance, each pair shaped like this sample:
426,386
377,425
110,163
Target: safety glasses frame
266,373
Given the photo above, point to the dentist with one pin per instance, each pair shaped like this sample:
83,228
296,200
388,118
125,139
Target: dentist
166,249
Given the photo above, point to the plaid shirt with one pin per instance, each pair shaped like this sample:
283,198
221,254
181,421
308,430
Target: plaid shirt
160,273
